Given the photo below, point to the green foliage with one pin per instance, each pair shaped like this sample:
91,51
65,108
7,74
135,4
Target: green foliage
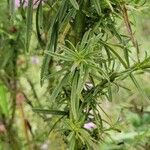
88,50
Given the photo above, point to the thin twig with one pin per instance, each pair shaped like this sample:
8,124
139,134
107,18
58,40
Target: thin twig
128,26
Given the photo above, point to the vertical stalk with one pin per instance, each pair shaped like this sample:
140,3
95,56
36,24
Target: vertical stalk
128,26
13,86
25,126
78,28
79,23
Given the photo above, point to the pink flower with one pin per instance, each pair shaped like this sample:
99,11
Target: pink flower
89,126
35,3
17,3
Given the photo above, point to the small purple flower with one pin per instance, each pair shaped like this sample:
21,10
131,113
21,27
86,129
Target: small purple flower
17,3
89,126
25,3
35,60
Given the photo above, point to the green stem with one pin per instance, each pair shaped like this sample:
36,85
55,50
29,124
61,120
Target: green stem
79,22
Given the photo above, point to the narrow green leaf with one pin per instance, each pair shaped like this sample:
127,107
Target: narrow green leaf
109,92
54,125
121,40
109,4
53,36
51,46
74,48
140,89
88,139
84,72
72,140
58,88
74,96
115,53
3,100
49,111
29,25
97,6
68,51
84,39
61,57
74,4
54,74
39,20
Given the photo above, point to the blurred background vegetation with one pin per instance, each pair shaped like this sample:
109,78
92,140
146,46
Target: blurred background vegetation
129,112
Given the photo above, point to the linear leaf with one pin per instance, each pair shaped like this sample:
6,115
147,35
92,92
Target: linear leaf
54,74
29,25
68,50
74,4
88,139
57,89
72,139
74,96
39,20
140,89
50,47
50,111
109,92
97,6
61,57
74,48
3,100
85,39
109,4
115,53
84,72
53,36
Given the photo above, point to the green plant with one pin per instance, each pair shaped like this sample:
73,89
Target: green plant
86,54
89,51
